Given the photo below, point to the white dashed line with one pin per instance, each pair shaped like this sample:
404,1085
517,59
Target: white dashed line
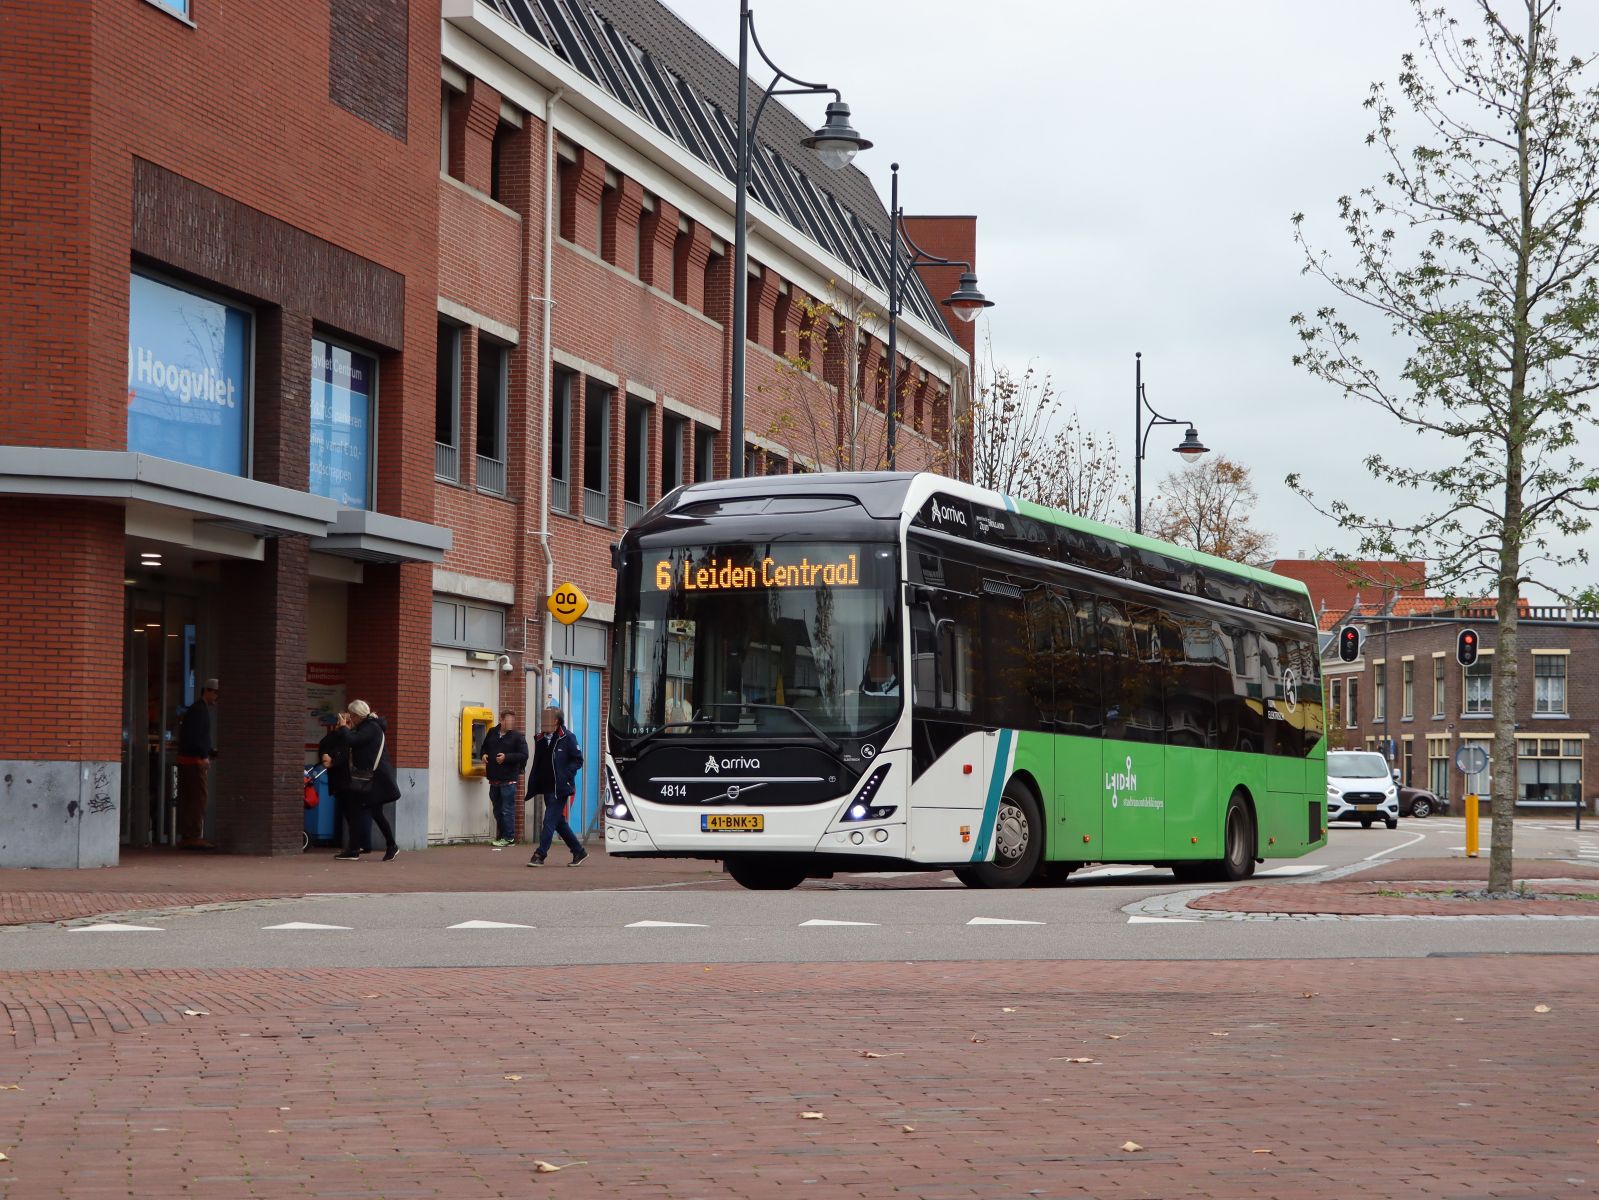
113,927
300,926
665,925
820,921
489,925
1000,921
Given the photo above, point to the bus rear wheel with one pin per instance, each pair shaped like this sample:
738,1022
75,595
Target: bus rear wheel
1238,844
1018,843
765,875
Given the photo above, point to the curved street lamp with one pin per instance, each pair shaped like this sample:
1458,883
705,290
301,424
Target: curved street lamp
835,143
966,301
1190,449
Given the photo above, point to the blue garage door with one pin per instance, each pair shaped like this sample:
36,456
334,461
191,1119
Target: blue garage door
581,692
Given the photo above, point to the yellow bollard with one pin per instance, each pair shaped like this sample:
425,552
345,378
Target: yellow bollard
1471,826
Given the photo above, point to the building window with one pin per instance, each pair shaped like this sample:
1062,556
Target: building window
596,452
752,461
704,454
188,376
672,431
1438,767
468,626
504,132
1407,689
344,385
635,459
179,8
1549,683
447,406
1337,690
1549,771
493,373
1407,759
1352,715
1479,686
1379,692
445,92
561,440
1438,685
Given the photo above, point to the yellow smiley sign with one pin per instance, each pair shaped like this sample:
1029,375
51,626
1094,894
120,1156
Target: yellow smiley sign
567,603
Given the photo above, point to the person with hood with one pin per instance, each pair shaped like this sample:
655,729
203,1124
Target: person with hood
557,759
367,738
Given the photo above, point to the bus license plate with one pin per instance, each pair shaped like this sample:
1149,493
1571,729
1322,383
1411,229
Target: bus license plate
732,822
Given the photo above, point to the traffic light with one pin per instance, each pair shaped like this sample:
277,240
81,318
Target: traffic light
1349,643
1466,647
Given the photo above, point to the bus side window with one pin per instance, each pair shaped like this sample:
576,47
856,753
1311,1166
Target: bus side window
1078,705
1040,658
941,652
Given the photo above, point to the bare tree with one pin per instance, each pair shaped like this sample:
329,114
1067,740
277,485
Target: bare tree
1478,251
1027,444
1207,506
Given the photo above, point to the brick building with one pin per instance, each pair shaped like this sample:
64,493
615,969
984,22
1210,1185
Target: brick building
1408,698
248,265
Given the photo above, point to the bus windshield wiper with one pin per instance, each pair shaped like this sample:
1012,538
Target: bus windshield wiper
801,718
703,720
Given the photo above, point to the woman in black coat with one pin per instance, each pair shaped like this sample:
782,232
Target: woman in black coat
367,739
354,819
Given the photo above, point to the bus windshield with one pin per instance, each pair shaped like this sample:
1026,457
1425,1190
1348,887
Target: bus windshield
761,639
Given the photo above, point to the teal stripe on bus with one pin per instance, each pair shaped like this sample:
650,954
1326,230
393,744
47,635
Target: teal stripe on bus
996,786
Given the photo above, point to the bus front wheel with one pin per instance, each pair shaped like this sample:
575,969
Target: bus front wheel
1018,843
765,875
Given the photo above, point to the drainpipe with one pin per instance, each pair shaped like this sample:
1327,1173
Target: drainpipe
549,378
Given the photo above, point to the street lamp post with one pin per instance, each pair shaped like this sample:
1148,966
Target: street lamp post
1191,449
966,301
835,144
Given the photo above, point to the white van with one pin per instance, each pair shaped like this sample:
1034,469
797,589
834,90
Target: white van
1360,787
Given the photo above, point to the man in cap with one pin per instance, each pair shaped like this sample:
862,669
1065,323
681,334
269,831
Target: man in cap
196,749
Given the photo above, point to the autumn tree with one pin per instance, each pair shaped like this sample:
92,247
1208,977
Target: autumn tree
1208,506
1026,443
1477,250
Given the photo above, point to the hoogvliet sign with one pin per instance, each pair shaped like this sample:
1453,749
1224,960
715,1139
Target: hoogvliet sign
188,376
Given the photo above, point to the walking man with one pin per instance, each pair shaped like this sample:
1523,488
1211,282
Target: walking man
556,760
504,756
196,749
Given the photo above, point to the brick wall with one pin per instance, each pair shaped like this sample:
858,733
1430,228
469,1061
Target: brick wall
61,643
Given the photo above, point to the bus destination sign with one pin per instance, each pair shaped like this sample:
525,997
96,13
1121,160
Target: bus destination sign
724,574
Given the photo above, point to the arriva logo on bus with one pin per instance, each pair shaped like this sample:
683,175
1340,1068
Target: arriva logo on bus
946,512
712,767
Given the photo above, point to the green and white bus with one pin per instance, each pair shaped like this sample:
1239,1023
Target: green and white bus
858,672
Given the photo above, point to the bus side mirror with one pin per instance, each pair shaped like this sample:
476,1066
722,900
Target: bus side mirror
921,594
616,556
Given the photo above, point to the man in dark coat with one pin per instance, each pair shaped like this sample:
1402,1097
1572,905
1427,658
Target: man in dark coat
556,761
368,742
504,757
196,749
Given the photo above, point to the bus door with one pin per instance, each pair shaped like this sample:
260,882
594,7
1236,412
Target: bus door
1078,724
1133,752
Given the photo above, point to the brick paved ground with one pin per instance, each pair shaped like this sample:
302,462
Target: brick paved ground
682,1081
1378,899
164,878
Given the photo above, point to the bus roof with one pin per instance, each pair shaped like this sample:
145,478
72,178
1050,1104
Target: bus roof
884,492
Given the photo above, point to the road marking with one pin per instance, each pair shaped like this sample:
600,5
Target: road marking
1161,921
489,925
821,921
1289,869
1000,921
887,874
1414,839
1107,872
665,925
299,925
113,927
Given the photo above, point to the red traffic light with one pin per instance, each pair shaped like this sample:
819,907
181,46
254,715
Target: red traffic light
1349,643
1466,647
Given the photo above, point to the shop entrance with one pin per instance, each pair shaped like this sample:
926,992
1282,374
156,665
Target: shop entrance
168,654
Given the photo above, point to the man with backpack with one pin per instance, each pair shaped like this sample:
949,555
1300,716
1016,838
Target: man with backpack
556,761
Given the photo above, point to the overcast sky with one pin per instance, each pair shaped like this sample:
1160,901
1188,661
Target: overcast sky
1133,167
